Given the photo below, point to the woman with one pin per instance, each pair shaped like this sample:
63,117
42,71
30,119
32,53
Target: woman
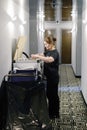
51,66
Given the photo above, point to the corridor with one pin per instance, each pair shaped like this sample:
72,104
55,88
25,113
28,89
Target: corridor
32,20
73,110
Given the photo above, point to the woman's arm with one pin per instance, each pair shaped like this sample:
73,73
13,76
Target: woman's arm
47,59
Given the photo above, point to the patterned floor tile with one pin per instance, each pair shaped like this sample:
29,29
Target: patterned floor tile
73,110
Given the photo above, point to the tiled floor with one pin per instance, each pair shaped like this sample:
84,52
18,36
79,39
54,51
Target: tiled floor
73,110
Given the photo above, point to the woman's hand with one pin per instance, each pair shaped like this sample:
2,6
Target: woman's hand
35,56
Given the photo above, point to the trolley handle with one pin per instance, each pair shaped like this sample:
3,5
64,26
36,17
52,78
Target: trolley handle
17,75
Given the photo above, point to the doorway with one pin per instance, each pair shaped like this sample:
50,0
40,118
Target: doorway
66,46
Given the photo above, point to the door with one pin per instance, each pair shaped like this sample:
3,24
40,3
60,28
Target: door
66,46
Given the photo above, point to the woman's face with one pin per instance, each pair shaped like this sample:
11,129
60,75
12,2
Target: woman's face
47,45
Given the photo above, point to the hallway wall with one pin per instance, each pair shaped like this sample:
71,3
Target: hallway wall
77,37
12,16
36,17
84,52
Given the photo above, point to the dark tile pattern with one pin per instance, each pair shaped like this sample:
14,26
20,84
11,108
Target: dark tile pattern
73,110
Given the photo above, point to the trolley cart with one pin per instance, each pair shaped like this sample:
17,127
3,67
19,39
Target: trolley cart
25,103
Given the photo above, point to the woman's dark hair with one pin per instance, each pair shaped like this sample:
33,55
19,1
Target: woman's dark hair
50,40
54,39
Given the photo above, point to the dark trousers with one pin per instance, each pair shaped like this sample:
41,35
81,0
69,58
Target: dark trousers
53,98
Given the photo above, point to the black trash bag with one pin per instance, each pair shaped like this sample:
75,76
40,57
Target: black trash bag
3,105
27,106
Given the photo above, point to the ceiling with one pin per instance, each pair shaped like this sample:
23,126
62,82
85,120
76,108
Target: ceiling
32,6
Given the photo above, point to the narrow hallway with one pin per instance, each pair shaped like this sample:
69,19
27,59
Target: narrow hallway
73,110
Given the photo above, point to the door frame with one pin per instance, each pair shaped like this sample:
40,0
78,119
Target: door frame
71,43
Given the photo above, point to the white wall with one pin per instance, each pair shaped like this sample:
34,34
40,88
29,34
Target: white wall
10,31
36,26
84,52
74,35
77,37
